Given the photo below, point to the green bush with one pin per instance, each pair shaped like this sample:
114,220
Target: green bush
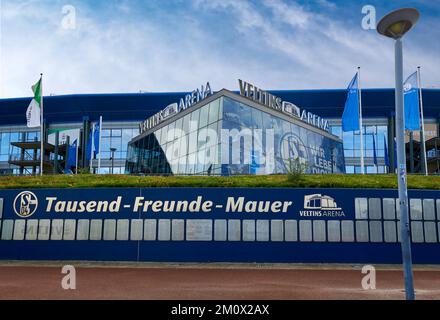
296,170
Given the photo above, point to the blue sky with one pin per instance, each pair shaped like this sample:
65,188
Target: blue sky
177,45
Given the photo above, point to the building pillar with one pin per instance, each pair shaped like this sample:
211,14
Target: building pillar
84,141
57,142
66,156
35,156
22,154
438,127
391,142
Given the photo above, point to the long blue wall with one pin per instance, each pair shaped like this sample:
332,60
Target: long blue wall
362,227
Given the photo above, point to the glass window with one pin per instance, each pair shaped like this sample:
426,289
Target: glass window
195,116
204,114
230,111
214,111
186,120
179,124
116,132
257,119
106,133
337,131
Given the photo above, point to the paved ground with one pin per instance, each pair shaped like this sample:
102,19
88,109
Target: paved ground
231,282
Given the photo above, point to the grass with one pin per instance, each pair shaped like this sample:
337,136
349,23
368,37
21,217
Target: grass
273,181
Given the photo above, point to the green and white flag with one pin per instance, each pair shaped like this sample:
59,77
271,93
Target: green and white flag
33,113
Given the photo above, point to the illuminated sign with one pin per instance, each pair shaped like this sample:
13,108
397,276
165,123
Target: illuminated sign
271,101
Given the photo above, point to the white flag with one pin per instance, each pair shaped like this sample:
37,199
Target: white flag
33,113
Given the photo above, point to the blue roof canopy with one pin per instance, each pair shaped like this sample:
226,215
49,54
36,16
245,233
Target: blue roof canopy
139,106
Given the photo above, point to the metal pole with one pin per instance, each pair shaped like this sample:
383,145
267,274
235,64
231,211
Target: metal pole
401,168
422,132
41,127
361,131
92,148
100,138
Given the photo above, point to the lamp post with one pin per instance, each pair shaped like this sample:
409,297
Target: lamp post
113,150
395,25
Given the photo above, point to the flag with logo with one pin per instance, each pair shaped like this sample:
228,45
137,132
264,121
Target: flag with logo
71,158
89,147
411,103
33,113
387,158
350,117
96,134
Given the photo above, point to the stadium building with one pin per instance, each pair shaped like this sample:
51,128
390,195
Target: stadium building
141,132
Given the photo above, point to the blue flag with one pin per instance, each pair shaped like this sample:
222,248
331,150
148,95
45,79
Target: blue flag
96,137
374,151
71,157
350,117
89,150
411,100
387,157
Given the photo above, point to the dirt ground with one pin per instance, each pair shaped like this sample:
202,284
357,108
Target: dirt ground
203,282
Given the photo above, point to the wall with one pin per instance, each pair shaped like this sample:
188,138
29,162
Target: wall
359,226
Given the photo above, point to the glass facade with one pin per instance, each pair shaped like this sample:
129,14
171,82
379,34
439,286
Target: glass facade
227,137
114,137
7,151
375,138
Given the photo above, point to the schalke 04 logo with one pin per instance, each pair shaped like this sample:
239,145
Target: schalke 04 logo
292,148
25,204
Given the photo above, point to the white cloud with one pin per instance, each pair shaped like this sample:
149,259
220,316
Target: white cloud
277,45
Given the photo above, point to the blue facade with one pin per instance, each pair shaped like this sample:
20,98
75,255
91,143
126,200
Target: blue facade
123,113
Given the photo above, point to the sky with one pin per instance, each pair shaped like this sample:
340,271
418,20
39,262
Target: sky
114,46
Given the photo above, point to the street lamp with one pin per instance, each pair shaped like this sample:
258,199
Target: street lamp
394,25
113,150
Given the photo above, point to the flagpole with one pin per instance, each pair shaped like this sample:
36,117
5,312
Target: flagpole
422,135
41,127
361,133
99,149
91,147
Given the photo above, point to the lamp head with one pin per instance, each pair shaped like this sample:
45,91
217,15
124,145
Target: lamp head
397,23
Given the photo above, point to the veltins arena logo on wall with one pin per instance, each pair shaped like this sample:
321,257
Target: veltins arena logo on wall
25,204
318,205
